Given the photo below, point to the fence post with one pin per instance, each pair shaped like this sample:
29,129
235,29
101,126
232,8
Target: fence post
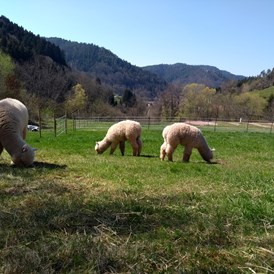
66,123
73,123
55,125
40,122
215,125
247,124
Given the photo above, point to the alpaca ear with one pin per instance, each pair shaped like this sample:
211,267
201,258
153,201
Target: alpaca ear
24,148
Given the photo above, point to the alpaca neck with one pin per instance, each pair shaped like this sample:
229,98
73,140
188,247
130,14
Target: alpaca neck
13,144
205,151
104,145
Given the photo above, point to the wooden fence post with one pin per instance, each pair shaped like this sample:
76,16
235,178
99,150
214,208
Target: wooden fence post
40,122
215,124
247,124
66,123
55,126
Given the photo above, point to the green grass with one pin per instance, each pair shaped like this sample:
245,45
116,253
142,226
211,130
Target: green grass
78,212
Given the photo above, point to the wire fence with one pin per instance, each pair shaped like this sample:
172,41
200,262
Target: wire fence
63,125
241,125
60,125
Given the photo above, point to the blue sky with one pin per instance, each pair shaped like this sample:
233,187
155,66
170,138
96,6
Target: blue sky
233,35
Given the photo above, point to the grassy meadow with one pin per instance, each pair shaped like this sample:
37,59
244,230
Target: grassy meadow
78,212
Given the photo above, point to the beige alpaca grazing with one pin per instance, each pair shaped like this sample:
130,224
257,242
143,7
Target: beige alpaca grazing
188,136
13,129
120,132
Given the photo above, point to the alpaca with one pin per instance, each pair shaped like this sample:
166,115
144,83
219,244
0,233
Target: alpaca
188,136
13,130
119,133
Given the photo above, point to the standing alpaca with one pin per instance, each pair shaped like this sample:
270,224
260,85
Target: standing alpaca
119,133
13,129
188,136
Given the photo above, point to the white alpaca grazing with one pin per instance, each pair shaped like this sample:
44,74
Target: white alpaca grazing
188,136
13,129
120,132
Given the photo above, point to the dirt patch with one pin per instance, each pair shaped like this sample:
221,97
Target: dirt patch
200,123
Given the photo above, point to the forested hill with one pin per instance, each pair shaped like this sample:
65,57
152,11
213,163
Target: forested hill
23,45
111,69
184,74
38,66
102,63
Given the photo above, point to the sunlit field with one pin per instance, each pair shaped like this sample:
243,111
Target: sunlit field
78,212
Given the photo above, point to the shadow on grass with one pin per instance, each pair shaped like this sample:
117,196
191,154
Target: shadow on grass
7,168
47,165
195,162
141,156
148,156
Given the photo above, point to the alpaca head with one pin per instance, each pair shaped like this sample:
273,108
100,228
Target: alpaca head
206,153
210,155
101,146
25,157
97,148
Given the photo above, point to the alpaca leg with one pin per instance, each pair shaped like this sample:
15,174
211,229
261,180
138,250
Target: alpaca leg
24,133
140,145
113,147
1,148
187,153
169,152
163,151
122,147
134,146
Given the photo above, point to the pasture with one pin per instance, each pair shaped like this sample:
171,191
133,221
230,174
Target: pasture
78,212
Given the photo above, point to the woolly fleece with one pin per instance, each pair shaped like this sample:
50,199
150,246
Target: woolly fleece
120,132
13,130
188,136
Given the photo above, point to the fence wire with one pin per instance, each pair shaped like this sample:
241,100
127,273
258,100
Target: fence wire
241,125
60,125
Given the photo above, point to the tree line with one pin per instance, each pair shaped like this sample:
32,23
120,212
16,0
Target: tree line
44,85
77,91
198,101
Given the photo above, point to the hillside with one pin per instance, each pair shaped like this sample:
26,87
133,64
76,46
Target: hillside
34,70
22,45
267,93
45,71
148,81
185,74
112,70
40,66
